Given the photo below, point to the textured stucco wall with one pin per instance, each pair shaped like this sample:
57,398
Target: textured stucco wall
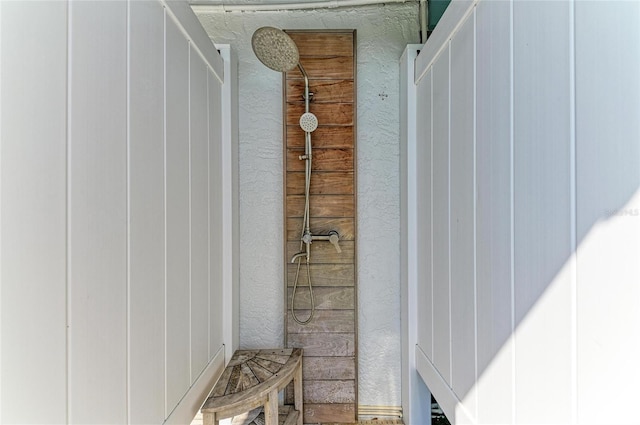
382,34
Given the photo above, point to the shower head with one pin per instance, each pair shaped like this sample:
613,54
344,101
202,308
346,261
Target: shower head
275,49
308,122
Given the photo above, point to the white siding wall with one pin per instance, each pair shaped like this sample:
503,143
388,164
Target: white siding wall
111,212
528,135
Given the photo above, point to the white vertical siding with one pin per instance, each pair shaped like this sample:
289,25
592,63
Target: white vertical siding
608,206
33,137
424,228
217,255
462,212
493,212
110,180
199,197
535,211
178,217
97,118
542,210
146,213
440,217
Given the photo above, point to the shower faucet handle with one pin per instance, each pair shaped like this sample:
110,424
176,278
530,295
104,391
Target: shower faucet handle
334,238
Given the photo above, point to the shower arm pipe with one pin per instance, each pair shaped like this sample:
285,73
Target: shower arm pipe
257,7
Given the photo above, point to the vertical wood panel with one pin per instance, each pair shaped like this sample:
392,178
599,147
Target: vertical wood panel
146,213
199,198
215,214
323,337
441,288
462,214
97,209
424,181
493,212
542,211
177,211
33,217
608,205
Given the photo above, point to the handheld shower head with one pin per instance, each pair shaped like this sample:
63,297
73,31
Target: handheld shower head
308,122
275,49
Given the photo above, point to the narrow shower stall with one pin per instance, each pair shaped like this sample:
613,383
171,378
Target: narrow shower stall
320,208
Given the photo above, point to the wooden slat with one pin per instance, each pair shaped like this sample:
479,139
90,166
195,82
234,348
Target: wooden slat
324,344
322,183
327,113
329,67
323,413
340,44
321,206
322,160
329,368
324,252
339,137
343,391
323,320
345,226
325,297
324,274
322,91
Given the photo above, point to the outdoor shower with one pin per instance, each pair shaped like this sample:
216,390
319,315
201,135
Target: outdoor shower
275,49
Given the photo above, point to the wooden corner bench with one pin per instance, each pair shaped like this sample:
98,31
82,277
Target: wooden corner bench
253,379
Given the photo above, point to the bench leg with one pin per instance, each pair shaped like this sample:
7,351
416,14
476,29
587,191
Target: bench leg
209,419
297,392
271,409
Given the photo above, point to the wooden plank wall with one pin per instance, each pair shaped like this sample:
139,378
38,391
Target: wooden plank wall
329,340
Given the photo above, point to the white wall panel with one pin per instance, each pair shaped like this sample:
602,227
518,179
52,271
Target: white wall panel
216,253
199,198
33,210
493,212
98,212
441,216
424,230
462,212
178,217
608,205
542,211
146,213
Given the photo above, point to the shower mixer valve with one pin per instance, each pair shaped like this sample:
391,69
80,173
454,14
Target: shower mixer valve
333,237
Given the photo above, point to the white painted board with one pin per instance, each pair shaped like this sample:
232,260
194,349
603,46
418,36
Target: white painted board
146,213
33,168
493,213
462,213
441,215
97,123
178,337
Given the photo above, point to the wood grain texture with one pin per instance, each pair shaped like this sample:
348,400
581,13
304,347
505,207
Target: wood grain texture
322,206
324,413
324,344
327,67
328,368
326,298
327,113
322,91
333,391
338,137
323,252
322,160
331,44
324,274
345,226
323,183
330,383
324,321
